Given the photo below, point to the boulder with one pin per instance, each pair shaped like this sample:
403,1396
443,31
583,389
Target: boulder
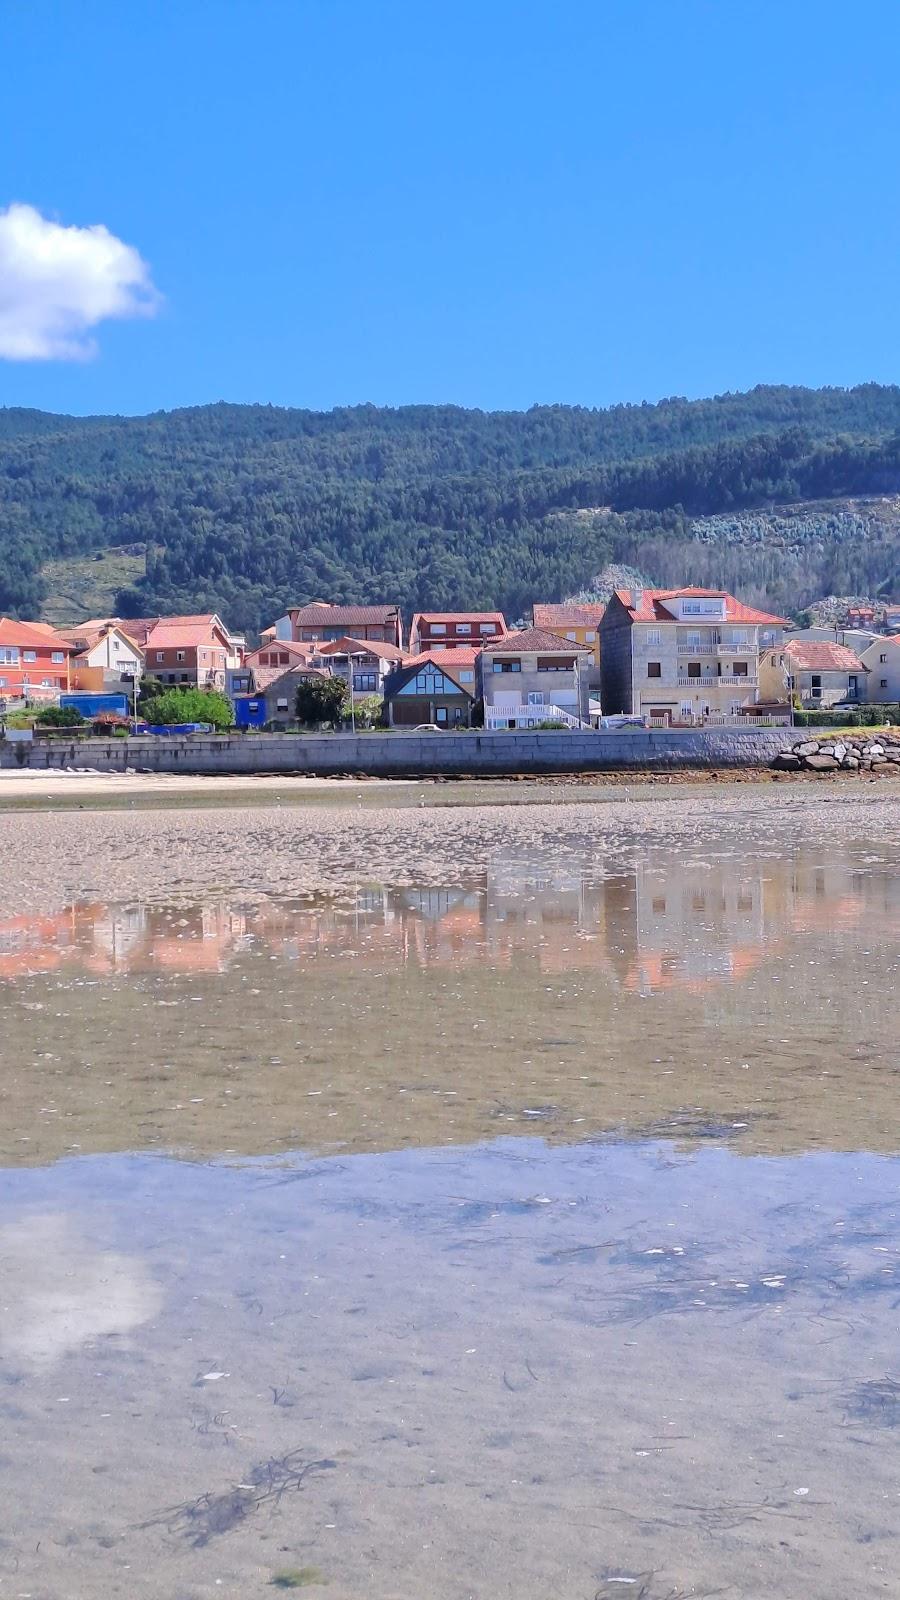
821,763
840,750
875,750
850,763
786,761
826,750
809,747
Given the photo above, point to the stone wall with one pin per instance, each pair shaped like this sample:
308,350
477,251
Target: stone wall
399,755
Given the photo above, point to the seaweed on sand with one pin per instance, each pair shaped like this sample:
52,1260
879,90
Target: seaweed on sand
211,1515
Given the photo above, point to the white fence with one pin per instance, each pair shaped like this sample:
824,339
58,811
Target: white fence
498,717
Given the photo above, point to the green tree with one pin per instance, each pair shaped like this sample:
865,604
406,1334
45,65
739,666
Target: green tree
190,705
319,700
367,710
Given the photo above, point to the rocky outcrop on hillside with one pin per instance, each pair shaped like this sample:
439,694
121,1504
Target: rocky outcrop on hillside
848,753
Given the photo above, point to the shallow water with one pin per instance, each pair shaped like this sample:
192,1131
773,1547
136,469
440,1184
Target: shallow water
515,1216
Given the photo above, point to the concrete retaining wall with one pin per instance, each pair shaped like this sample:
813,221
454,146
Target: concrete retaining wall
398,755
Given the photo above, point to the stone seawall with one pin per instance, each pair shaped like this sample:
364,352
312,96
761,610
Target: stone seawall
396,755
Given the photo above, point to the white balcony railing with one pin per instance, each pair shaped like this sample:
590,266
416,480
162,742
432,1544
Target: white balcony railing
529,716
745,680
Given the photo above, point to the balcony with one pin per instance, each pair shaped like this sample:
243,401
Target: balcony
748,680
718,647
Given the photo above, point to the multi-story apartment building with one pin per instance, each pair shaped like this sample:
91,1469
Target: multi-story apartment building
453,630
681,655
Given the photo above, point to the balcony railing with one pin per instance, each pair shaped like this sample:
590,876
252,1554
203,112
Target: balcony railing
746,679
718,647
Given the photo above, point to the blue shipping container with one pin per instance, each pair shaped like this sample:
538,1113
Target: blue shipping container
91,705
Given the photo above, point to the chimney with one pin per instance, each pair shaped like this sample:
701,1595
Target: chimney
637,600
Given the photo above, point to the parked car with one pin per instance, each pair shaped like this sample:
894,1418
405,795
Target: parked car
622,720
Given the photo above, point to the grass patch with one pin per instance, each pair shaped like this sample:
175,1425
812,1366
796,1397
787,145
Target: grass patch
86,586
297,1578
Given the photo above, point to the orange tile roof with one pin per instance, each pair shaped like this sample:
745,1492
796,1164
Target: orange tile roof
167,635
568,616
652,610
529,639
817,655
463,655
322,611
371,647
460,616
30,636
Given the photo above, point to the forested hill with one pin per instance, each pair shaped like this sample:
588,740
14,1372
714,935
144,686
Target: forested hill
247,508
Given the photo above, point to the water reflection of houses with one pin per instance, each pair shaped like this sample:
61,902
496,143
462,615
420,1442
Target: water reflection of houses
664,924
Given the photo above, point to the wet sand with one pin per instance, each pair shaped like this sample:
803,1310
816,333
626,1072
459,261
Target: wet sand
532,1223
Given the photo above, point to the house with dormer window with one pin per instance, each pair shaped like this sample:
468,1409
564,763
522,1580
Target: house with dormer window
438,688
682,655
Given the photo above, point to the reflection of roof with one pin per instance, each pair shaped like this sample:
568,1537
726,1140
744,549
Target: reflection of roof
652,607
568,616
814,655
540,639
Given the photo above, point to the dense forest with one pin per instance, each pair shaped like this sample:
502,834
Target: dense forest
248,508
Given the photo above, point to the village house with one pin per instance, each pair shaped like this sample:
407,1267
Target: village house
683,655
533,676
578,622
820,674
260,666
881,659
34,661
105,658
189,652
320,623
446,630
370,660
437,688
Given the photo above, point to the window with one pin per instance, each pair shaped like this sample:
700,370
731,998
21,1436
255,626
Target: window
440,713
29,655
589,635
507,666
882,683
2,683
58,656
365,682
816,687
653,636
488,627
883,659
179,654
464,627
694,669
739,669
438,627
46,684
281,705
659,905
466,676
572,635
654,669
160,655
10,657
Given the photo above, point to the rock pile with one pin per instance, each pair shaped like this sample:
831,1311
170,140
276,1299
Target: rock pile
866,753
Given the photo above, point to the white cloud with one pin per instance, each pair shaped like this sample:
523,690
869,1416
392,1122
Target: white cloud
57,283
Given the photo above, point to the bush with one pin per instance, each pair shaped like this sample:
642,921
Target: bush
58,717
862,717
189,705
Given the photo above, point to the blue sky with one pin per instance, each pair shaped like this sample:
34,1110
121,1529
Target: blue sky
494,203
